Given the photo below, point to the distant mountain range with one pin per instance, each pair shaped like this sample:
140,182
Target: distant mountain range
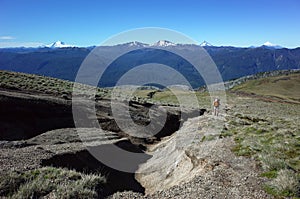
62,61
162,43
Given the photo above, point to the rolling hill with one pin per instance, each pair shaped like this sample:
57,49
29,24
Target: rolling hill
284,88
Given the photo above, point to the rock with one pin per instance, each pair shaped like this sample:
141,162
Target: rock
65,96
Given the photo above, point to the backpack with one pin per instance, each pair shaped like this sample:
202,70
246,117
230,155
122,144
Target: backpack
216,103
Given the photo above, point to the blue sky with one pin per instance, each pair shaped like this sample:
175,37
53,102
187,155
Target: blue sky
84,23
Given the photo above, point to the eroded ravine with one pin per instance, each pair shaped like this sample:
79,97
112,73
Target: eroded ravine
44,126
118,181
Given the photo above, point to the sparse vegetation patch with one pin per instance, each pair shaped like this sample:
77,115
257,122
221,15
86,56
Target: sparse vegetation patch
52,182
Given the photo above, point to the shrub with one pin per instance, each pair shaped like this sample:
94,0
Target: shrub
10,182
286,183
50,181
270,163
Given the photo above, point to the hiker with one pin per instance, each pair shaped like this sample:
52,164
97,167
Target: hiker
216,105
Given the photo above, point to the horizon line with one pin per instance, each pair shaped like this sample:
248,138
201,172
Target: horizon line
42,45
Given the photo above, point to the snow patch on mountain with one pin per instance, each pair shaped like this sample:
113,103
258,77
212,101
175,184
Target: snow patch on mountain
136,44
164,43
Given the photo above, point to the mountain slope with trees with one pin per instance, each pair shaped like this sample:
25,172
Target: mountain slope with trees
232,62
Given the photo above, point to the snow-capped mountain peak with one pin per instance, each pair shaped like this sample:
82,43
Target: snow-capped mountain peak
59,44
164,43
270,45
205,43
